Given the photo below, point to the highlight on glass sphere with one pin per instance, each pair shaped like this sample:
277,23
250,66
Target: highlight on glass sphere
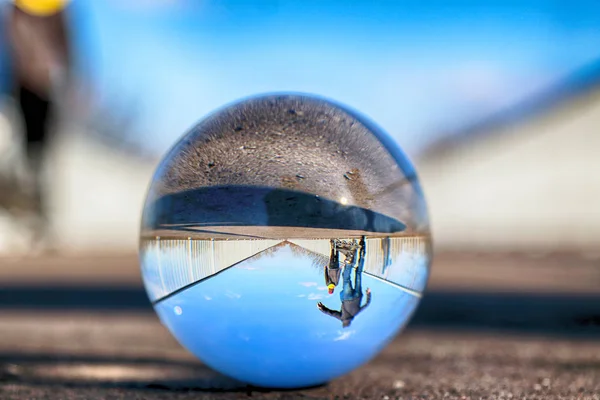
285,240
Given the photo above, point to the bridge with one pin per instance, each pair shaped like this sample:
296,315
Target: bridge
168,265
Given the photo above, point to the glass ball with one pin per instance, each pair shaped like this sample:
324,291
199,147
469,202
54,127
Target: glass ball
285,240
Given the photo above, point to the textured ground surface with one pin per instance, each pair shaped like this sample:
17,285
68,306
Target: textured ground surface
492,326
287,142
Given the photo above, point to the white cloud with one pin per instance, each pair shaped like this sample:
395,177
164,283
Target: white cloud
301,295
307,284
248,268
232,295
343,335
322,288
315,296
207,297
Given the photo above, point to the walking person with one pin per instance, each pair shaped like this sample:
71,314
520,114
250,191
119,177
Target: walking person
40,60
333,270
351,295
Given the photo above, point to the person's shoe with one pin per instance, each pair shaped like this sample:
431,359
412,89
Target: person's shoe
348,245
337,243
363,246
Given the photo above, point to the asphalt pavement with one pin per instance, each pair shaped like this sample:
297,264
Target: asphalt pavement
501,326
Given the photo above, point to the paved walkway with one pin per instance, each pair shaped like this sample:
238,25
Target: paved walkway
81,355
82,329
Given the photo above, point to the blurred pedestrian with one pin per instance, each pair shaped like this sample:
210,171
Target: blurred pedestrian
40,61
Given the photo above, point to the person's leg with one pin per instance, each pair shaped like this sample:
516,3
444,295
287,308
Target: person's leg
358,275
347,289
356,265
36,111
362,247
385,244
334,256
360,267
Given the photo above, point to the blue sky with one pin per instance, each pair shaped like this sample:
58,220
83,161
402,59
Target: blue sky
416,69
259,322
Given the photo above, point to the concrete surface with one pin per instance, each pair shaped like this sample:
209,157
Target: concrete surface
129,356
490,326
232,160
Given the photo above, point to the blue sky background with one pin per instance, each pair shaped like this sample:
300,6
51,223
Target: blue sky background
416,68
259,322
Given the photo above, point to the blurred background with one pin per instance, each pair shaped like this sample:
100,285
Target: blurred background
497,103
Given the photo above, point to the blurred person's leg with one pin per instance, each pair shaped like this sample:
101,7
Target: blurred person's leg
36,113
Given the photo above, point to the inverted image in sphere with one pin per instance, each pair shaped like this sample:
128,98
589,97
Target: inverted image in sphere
285,240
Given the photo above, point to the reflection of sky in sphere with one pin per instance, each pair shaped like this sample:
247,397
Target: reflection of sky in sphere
409,269
259,322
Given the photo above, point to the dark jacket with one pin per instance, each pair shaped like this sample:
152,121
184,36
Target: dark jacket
350,309
332,275
39,47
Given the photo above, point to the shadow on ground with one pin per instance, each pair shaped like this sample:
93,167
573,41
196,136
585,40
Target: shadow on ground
88,371
549,314
156,377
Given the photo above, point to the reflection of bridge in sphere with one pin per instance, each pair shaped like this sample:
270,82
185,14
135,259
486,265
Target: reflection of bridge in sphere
403,261
171,265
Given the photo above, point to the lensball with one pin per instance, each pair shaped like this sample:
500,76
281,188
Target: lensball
285,240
